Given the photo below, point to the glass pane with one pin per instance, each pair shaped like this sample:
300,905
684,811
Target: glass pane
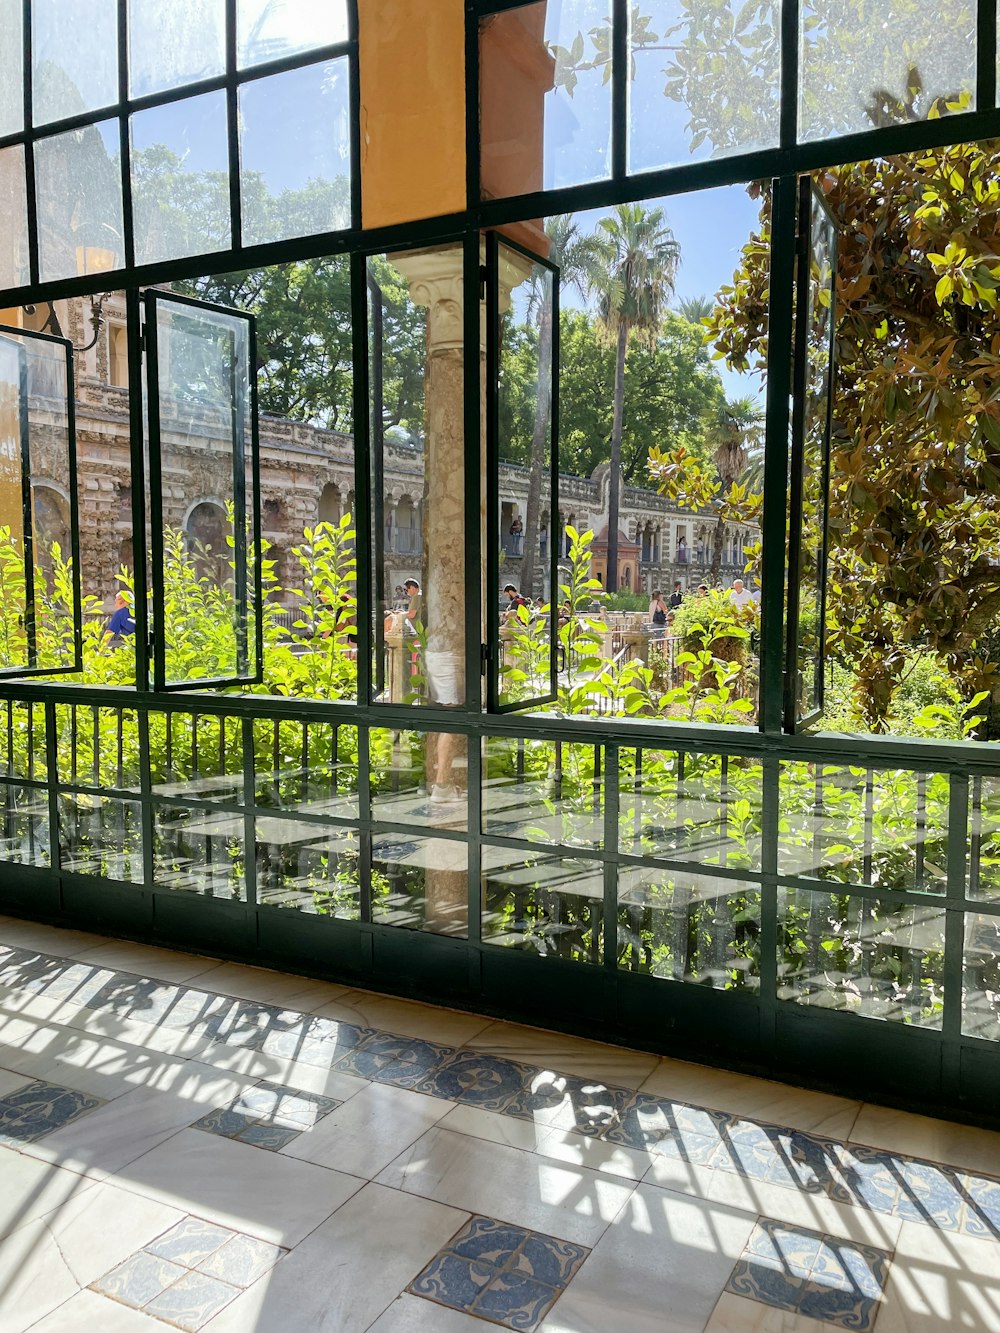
78,194
11,68
98,747
309,190
180,179
417,384
546,905
419,779
981,988
814,385
864,955
307,766
697,928
196,756
864,826
882,62
271,29
100,836
984,838
22,740
544,791
522,604
14,270
199,851
173,44
420,883
308,868
24,825
202,463
545,97
704,80
38,608
704,808
74,57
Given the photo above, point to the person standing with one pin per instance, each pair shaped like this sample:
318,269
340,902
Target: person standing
121,625
676,597
516,534
739,595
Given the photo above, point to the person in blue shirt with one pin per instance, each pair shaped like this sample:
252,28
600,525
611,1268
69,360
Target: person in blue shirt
122,623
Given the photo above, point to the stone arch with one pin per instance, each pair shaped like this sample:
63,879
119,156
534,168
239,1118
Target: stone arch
50,522
206,529
406,527
329,503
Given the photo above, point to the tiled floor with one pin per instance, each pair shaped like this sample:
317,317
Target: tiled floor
203,1146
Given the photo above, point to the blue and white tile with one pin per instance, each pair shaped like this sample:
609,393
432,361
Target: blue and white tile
486,1240
405,1062
516,1301
931,1194
41,1108
664,1252
982,1206
549,1260
737,1314
866,1177
225,1121
568,1102
191,1242
192,1301
270,1137
577,1056
920,1136
760,1282
451,1280
241,1260
337,1280
369,1130
854,1268
139,1279
789,1250
843,1309
528,1189
485,1081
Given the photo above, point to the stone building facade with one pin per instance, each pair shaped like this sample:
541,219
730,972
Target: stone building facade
307,475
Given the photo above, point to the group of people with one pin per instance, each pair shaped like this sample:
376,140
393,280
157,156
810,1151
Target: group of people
661,611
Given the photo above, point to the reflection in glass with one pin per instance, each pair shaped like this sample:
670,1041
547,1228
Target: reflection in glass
39,609
883,827
864,955
272,29
548,905
196,756
522,606
420,883
306,766
11,70
981,978
97,747
545,97
704,80
180,178
308,868
882,62
14,269
100,836
78,195
174,44
24,825
74,57
202,440
544,791
419,778
810,468
296,193
199,851
416,364
697,928
22,741
703,808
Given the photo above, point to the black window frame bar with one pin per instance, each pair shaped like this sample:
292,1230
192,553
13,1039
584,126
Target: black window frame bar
375,464
810,201
155,628
494,325
14,334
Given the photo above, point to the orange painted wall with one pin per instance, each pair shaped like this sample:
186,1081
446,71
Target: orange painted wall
412,59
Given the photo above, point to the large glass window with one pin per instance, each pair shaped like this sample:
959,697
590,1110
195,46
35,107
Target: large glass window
273,29
201,366
74,54
78,191
12,83
174,44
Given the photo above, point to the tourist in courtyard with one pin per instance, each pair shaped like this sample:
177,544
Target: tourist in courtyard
516,534
121,625
658,614
514,601
676,597
739,595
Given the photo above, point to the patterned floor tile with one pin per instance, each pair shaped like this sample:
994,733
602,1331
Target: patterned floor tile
820,1277
192,1301
41,1108
499,1272
140,1279
586,1105
191,1242
268,1115
242,1260
404,1062
982,1206
487,1081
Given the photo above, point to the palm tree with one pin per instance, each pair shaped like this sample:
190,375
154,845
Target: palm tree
736,433
570,252
695,308
631,271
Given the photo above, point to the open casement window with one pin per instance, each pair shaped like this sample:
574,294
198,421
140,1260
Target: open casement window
204,494
809,474
526,633
40,602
